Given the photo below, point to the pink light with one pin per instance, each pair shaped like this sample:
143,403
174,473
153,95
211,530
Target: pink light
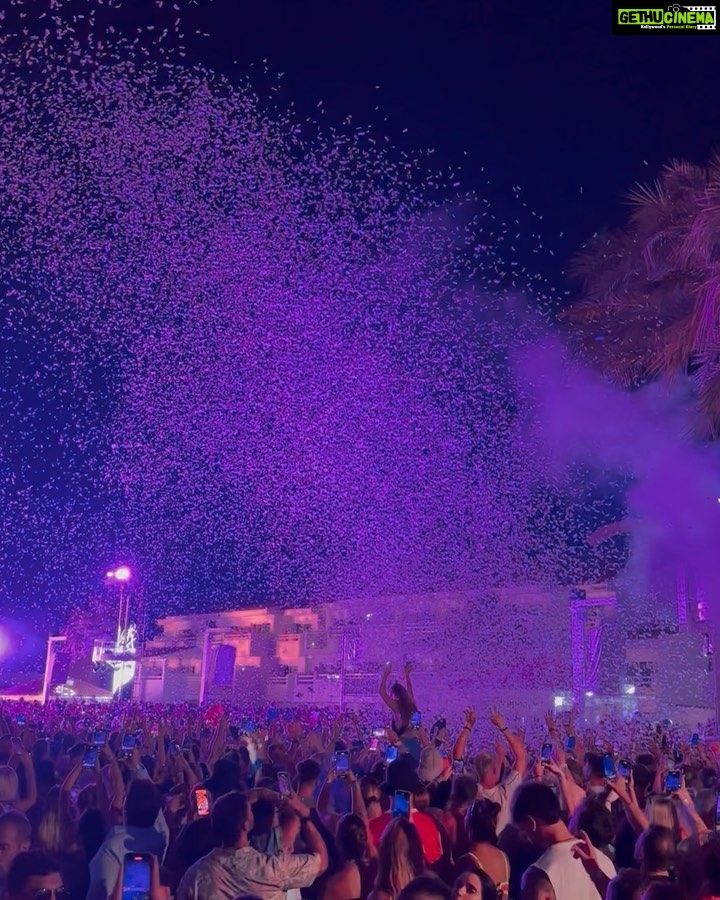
5,646
122,573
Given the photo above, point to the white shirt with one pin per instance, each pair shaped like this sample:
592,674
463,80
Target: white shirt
567,875
502,794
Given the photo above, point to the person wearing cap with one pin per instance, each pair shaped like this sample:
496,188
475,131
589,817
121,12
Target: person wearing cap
402,777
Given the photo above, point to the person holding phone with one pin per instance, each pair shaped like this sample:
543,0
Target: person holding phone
234,868
138,834
402,777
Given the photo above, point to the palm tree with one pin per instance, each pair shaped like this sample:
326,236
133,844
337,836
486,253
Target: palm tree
651,304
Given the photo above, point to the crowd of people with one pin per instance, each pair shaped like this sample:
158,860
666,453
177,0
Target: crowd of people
135,801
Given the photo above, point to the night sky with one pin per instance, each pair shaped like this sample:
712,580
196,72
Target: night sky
508,95
548,100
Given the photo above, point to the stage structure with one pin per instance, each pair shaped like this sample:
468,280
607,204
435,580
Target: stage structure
109,670
461,643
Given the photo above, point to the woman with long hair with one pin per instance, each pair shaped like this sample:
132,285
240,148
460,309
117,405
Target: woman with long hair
354,878
56,833
483,854
400,700
400,859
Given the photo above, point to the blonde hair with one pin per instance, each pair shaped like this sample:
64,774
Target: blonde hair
9,788
662,811
400,857
55,835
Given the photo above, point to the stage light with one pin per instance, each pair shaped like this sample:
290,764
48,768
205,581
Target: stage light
629,688
589,694
122,573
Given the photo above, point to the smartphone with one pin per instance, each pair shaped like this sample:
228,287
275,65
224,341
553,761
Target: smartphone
415,720
99,738
137,876
546,753
673,782
283,780
129,742
609,767
458,766
342,763
695,741
623,768
570,745
401,805
374,744
202,801
378,732
391,754
90,758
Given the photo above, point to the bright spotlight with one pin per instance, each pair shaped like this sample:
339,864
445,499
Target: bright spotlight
589,694
122,574
629,688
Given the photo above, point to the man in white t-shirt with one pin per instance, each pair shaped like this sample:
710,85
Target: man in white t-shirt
489,769
568,869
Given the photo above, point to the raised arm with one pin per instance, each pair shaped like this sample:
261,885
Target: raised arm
514,740
408,683
358,801
387,699
312,836
626,792
26,803
460,748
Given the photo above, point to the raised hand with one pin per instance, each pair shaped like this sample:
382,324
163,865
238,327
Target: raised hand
470,717
587,854
497,719
408,668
